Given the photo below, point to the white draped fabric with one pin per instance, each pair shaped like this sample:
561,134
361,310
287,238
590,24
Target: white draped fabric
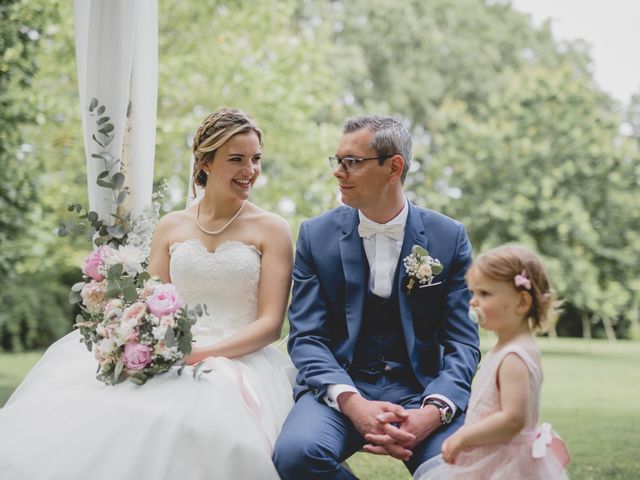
117,61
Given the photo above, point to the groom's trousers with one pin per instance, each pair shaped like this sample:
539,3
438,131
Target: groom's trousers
316,438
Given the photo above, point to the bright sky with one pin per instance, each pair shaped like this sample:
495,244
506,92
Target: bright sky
611,27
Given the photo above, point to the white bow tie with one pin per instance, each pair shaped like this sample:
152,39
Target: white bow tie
394,230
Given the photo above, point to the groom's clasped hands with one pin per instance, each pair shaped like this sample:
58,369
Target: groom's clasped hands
388,428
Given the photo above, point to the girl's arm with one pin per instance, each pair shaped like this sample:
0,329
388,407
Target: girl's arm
513,385
273,295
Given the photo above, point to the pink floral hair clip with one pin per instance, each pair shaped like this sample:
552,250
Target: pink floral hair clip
522,280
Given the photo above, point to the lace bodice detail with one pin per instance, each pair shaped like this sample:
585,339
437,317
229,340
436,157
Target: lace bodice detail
226,280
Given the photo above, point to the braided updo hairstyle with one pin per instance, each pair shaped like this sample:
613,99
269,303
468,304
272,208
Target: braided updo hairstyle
214,132
505,262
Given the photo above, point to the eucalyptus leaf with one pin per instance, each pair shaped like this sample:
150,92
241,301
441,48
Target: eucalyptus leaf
107,128
112,293
116,231
63,231
115,270
101,110
136,380
198,309
122,196
418,250
75,297
143,277
117,180
99,241
129,293
102,120
92,216
93,104
97,141
118,369
184,344
78,286
71,208
436,269
104,184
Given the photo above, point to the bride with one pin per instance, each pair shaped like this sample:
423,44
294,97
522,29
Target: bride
62,423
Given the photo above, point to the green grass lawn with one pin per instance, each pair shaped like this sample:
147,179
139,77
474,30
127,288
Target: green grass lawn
590,396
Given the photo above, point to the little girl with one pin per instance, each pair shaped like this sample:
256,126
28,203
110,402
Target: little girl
501,438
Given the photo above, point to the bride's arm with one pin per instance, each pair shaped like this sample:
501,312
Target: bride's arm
159,256
273,295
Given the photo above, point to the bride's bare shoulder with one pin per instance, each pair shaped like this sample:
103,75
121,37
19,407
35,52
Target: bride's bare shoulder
268,219
272,228
175,219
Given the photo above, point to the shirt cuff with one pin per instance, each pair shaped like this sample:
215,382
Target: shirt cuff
452,405
333,391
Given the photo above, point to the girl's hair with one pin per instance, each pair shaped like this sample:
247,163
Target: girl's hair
214,132
508,261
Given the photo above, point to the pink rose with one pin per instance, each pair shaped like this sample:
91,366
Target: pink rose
136,356
134,313
164,300
92,265
93,296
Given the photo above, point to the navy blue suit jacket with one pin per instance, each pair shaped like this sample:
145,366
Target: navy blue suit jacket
329,286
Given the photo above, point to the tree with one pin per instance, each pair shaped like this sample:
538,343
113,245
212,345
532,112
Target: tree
27,300
542,163
257,57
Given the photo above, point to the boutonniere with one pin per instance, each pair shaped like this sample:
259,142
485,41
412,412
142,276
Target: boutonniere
420,267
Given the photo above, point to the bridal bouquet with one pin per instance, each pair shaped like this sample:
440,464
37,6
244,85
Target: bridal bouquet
136,325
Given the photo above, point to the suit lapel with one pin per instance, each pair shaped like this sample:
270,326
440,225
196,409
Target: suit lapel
414,234
354,265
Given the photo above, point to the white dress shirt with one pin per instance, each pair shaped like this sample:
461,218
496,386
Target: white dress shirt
383,254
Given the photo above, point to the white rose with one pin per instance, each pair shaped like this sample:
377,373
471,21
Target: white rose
107,346
159,332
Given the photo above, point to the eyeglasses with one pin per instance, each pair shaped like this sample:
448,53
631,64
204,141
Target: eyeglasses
352,164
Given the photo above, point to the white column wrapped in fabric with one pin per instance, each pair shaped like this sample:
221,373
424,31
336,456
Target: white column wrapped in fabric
117,63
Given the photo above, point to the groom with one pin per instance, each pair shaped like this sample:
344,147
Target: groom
384,361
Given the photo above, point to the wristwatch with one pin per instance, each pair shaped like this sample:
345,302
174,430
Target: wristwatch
446,415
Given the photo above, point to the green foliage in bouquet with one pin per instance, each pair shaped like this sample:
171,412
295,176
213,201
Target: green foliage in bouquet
136,326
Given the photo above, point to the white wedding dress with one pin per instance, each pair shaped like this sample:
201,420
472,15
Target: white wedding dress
62,423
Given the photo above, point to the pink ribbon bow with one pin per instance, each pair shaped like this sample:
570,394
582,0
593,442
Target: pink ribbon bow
522,280
547,439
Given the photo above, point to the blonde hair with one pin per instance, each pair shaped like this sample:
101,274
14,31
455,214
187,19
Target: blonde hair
504,263
215,131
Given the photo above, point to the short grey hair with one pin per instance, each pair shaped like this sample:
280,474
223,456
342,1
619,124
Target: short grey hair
390,136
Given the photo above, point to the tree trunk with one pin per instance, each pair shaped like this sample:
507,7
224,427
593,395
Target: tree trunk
586,326
608,328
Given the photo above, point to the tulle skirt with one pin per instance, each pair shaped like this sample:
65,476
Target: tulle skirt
62,423
493,462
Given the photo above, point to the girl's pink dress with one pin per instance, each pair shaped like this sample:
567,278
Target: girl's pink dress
536,453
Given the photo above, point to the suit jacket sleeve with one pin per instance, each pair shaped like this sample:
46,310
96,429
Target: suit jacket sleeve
457,335
309,344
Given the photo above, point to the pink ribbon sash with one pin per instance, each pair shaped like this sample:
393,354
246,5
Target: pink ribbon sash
546,439
233,373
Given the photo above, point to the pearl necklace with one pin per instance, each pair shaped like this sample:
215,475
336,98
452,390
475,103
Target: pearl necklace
224,227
